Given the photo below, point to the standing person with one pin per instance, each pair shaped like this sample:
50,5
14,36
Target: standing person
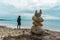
18,22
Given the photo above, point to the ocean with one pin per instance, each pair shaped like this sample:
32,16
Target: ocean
47,24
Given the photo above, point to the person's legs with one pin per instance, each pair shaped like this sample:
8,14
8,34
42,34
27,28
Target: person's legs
19,26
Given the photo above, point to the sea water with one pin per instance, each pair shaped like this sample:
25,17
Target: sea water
52,25
13,23
47,24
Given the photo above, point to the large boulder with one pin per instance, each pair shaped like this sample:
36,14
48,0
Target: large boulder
37,30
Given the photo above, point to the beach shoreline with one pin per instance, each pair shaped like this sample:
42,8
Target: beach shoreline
6,31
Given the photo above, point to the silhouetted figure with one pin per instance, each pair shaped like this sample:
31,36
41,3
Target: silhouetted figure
18,22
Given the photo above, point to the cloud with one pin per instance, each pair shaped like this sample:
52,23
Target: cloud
31,4
26,8
45,17
49,17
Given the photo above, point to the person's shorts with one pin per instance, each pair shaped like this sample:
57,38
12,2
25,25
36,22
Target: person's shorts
19,23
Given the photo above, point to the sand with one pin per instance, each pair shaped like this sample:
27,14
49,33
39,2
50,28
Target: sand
48,35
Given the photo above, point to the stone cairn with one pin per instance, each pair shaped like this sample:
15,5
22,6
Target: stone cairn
37,23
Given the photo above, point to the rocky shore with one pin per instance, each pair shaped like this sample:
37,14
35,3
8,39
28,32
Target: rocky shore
25,34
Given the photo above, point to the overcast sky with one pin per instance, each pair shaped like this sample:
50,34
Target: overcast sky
26,8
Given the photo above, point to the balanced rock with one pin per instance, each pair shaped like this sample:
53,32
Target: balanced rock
37,23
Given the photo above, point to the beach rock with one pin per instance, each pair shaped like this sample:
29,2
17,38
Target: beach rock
58,37
37,23
37,30
40,19
20,37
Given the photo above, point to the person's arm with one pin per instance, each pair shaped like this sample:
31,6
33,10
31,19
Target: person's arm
17,20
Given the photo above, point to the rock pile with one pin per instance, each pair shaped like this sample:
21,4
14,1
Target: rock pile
37,23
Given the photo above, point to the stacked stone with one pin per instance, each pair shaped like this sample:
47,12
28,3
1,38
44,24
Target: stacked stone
37,23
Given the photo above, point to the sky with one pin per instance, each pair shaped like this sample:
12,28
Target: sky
11,9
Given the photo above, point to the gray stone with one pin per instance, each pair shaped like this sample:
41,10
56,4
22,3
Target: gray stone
37,30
